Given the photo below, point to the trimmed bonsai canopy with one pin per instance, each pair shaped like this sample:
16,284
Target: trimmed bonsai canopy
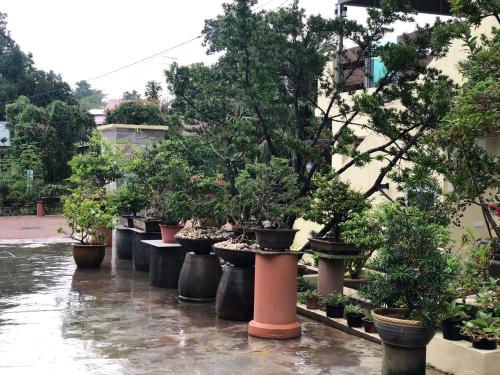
86,216
414,278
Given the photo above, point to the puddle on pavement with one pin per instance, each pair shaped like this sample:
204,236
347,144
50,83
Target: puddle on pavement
55,319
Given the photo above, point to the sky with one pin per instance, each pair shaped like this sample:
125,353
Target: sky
83,39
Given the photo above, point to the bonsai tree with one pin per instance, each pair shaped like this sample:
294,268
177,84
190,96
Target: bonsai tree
128,201
413,261
206,198
87,214
334,201
267,193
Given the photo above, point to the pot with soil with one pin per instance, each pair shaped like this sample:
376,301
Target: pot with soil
354,316
451,329
168,232
238,254
312,299
331,246
369,324
147,225
275,239
200,239
335,304
483,331
484,344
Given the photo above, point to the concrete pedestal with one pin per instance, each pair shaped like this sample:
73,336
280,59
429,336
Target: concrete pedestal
141,252
165,263
199,278
330,276
403,361
275,299
124,242
235,293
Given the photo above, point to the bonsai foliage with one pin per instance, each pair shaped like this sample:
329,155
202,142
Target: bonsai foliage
99,166
485,326
336,299
268,193
413,261
128,201
207,200
334,201
87,215
136,113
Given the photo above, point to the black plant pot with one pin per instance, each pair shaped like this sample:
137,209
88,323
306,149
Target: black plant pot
484,344
354,320
275,239
334,311
451,329
201,246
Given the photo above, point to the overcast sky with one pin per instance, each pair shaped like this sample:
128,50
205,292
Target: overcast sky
81,39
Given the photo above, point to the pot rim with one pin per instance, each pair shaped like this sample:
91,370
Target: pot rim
378,314
275,230
86,244
171,226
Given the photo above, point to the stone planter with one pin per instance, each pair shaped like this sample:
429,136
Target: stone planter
141,252
147,225
124,242
404,342
88,256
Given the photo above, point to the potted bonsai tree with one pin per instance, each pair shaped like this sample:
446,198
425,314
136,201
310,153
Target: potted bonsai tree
484,331
334,202
128,202
335,303
414,277
206,199
452,319
86,215
354,316
269,193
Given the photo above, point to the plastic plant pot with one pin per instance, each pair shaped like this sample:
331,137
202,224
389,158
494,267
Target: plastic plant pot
334,311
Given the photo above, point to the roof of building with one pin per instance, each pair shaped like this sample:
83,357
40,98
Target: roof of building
4,133
440,7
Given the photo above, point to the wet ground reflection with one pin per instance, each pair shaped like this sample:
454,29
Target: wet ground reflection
55,319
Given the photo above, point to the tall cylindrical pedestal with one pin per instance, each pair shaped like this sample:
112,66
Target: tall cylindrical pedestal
141,252
199,278
40,209
330,276
165,264
235,293
403,361
124,241
275,300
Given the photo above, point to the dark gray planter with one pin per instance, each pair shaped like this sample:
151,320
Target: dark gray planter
275,239
199,278
165,265
124,242
234,299
141,252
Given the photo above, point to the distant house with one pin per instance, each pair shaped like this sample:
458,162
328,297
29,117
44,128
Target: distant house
99,115
4,135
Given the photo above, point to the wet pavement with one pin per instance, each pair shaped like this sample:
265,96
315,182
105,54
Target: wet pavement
55,319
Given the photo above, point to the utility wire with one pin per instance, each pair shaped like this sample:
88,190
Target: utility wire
145,58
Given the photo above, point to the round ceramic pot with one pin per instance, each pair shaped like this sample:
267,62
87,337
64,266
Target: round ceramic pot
484,344
168,232
369,326
334,311
451,329
400,332
238,258
354,320
312,303
198,246
275,239
88,256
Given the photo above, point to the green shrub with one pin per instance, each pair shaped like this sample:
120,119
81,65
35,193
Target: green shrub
136,113
336,299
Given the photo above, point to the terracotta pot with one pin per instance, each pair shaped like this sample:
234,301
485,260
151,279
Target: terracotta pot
400,332
168,232
312,303
88,256
484,344
369,326
275,239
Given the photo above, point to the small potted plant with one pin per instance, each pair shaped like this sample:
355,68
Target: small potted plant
484,331
354,316
369,324
269,191
86,216
335,303
451,320
312,299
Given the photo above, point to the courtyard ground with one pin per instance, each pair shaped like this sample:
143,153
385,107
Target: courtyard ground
55,319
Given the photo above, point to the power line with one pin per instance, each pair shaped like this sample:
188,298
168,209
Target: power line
145,58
